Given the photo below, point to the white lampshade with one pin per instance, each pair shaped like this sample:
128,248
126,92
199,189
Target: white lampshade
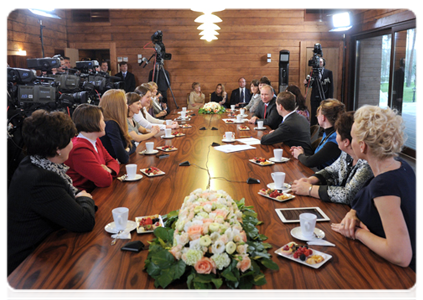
208,38
44,13
207,10
341,22
208,18
207,26
209,32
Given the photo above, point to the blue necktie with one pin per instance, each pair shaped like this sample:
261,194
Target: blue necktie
242,95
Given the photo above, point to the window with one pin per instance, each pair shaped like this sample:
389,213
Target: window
90,15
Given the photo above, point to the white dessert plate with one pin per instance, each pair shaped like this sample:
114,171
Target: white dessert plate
111,228
296,233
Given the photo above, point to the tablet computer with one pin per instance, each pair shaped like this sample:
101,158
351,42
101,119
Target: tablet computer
292,215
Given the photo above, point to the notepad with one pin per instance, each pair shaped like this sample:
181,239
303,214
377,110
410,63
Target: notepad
233,148
249,141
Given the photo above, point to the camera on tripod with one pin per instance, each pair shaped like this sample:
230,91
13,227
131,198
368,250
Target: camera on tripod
157,39
314,62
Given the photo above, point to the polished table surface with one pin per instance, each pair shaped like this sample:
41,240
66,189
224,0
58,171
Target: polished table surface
67,260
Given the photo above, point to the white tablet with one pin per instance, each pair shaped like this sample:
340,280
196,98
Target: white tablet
292,215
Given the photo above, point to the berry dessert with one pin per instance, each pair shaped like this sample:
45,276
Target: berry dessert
149,223
244,127
152,171
275,194
168,148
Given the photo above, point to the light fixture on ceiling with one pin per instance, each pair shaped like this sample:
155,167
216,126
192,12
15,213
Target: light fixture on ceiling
207,26
44,13
208,18
208,38
341,22
209,32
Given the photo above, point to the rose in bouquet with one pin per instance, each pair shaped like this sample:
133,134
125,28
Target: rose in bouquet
210,241
212,108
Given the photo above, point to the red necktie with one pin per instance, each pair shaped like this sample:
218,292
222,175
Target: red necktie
265,107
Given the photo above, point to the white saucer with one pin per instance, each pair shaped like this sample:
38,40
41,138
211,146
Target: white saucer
168,137
244,116
228,141
111,228
259,128
296,233
152,152
239,122
137,177
284,159
286,186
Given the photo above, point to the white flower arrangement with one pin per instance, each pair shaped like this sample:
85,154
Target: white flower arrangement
212,108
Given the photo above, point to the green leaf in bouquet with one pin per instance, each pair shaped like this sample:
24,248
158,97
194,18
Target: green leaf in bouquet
162,233
259,279
190,280
267,246
152,269
217,282
163,259
165,278
262,237
178,269
202,286
227,273
204,278
268,263
246,282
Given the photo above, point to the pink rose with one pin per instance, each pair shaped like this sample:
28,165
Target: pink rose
176,251
195,232
244,264
205,266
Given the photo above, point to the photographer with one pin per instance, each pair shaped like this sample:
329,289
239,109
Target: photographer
325,78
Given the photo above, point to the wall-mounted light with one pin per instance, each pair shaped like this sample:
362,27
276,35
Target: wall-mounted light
44,13
341,22
19,52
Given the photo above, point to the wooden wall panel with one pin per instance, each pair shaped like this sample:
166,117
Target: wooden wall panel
23,32
245,38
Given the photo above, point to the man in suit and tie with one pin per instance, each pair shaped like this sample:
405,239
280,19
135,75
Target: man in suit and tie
240,96
266,110
127,77
294,130
326,78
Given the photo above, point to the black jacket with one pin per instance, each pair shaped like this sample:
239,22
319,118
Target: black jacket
294,131
272,119
129,81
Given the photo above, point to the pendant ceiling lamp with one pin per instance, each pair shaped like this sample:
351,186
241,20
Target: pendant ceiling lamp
208,27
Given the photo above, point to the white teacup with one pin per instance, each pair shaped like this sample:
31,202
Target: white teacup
242,111
131,171
229,135
239,118
149,146
278,154
169,122
184,109
120,217
307,222
232,107
278,179
260,124
168,132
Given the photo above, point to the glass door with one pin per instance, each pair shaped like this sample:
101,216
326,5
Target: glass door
404,82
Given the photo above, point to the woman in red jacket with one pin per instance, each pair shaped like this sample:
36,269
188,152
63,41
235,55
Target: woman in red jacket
90,165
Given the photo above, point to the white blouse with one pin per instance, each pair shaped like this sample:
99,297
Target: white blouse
149,121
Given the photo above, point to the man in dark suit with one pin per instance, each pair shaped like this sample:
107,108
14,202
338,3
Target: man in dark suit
240,96
266,110
326,78
127,77
294,129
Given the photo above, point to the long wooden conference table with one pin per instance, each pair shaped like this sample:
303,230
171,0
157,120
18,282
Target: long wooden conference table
67,260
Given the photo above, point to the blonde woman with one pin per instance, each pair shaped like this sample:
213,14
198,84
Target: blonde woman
117,140
196,98
136,131
158,110
383,214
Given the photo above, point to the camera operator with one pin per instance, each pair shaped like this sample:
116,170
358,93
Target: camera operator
325,77
104,67
127,77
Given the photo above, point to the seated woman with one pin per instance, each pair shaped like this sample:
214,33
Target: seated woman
219,95
340,181
255,96
143,118
89,163
327,151
383,214
41,197
137,132
158,111
301,101
117,141
196,98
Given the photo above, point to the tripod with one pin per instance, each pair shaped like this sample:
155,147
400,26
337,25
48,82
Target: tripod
156,80
319,86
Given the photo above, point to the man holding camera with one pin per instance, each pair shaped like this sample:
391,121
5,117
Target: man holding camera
127,77
325,78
